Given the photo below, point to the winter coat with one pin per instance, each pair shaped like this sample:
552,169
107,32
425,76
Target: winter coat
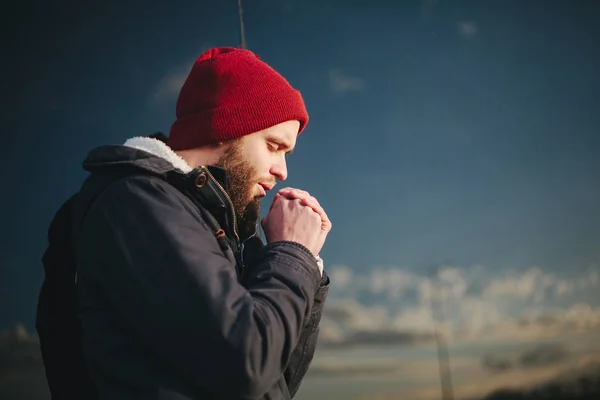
173,303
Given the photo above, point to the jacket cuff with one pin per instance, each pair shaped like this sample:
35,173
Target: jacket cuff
308,256
321,294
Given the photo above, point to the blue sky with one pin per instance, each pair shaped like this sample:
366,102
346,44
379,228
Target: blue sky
462,135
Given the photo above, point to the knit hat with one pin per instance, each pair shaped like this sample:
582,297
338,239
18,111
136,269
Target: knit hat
230,93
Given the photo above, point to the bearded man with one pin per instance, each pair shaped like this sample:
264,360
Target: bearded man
178,296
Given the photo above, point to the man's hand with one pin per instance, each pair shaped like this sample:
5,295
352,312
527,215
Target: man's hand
290,220
307,200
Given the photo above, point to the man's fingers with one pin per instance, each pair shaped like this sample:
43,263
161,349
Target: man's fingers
277,197
316,207
295,193
307,200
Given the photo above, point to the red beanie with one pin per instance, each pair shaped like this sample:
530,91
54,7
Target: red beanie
230,93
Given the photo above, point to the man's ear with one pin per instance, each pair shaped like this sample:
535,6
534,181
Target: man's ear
224,146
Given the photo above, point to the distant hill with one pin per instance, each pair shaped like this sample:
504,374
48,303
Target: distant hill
583,384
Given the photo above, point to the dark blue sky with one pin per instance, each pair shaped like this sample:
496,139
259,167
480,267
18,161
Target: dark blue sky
462,132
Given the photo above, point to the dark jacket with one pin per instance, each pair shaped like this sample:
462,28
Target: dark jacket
173,303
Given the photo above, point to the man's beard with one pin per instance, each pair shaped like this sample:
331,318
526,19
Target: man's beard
241,179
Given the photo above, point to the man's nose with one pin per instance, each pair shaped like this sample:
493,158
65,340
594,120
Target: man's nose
279,171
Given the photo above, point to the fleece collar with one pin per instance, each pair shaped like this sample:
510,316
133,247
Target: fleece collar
159,149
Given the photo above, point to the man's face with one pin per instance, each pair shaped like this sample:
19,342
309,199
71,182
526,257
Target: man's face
254,164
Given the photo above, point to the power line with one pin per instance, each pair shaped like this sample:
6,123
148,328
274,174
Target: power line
242,33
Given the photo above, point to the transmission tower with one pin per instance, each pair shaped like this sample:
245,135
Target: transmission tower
442,348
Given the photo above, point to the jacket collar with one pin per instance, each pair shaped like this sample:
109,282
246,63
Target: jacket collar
204,184
159,149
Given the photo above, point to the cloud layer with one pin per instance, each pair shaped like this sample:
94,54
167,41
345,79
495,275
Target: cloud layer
398,306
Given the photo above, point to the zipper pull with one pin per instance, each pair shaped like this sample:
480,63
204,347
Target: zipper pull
242,263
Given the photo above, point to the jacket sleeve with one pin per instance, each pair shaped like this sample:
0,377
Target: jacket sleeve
146,247
305,350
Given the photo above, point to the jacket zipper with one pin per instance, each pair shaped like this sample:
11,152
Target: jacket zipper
212,178
235,232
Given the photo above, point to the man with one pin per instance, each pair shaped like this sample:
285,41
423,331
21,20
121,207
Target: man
178,296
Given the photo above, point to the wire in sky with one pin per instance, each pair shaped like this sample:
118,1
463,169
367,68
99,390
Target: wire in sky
242,33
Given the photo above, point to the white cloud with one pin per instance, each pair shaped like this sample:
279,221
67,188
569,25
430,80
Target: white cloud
391,280
564,288
353,316
476,304
467,28
341,275
414,318
522,285
342,83
168,87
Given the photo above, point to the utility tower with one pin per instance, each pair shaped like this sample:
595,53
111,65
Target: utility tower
443,356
